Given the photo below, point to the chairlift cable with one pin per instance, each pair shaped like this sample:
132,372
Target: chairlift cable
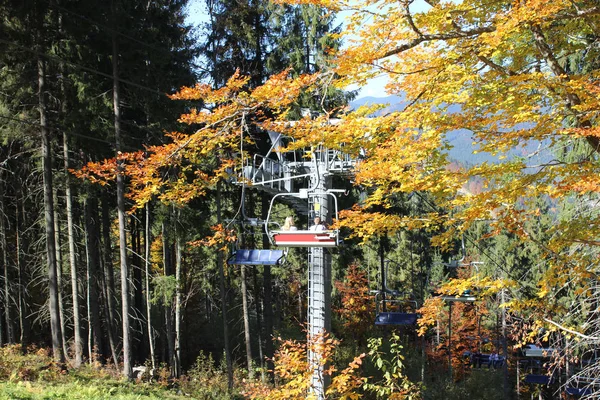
475,244
241,207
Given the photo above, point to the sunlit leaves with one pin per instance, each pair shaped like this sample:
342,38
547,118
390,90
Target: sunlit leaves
356,309
293,372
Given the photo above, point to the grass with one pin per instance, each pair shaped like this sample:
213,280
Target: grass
34,376
80,391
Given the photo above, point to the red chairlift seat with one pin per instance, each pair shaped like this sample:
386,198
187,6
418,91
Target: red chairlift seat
305,238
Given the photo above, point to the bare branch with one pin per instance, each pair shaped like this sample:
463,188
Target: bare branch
409,18
495,66
581,335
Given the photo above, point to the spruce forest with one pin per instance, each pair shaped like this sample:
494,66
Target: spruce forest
195,202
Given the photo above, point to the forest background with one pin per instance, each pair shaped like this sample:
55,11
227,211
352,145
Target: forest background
124,264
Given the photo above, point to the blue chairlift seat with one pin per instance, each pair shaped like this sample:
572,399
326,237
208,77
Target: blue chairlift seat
256,257
481,360
396,318
578,392
538,379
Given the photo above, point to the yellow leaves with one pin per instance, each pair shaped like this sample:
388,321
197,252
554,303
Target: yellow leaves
364,224
481,287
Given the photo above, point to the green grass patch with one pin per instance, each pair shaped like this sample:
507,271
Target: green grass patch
33,375
83,391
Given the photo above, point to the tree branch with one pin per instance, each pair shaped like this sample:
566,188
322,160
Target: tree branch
581,335
438,36
495,66
408,16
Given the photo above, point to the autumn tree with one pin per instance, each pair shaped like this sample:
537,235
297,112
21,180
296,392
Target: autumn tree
504,66
495,70
356,310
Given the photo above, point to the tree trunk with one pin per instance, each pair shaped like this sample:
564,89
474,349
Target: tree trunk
62,115
147,241
109,277
92,242
178,251
246,323
220,266
127,368
259,326
5,271
78,343
88,298
59,276
138,345
168,270
268,298
21,243
49,219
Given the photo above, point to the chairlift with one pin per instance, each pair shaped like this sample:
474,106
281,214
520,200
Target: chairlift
401,318
256,257
578,392
465,297
538,379
534,363
302,238
531,350
456,263
393,310
479,360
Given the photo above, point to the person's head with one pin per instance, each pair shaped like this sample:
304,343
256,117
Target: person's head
317,220
289,221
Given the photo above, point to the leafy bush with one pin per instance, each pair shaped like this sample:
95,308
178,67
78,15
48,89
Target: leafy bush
205,380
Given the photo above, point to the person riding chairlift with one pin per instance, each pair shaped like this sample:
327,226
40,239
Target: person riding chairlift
288,225
318,225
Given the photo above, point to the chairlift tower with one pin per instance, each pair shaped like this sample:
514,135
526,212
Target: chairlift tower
319,281
276,173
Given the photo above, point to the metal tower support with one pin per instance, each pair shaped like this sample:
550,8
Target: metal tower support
319,283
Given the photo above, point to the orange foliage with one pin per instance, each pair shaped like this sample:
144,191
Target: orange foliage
500,63
469,334
293,372
221,237
356,311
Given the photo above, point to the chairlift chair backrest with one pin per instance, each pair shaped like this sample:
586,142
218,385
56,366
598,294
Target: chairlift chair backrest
256,257
401,318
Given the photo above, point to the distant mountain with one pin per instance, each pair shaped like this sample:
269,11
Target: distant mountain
461,140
